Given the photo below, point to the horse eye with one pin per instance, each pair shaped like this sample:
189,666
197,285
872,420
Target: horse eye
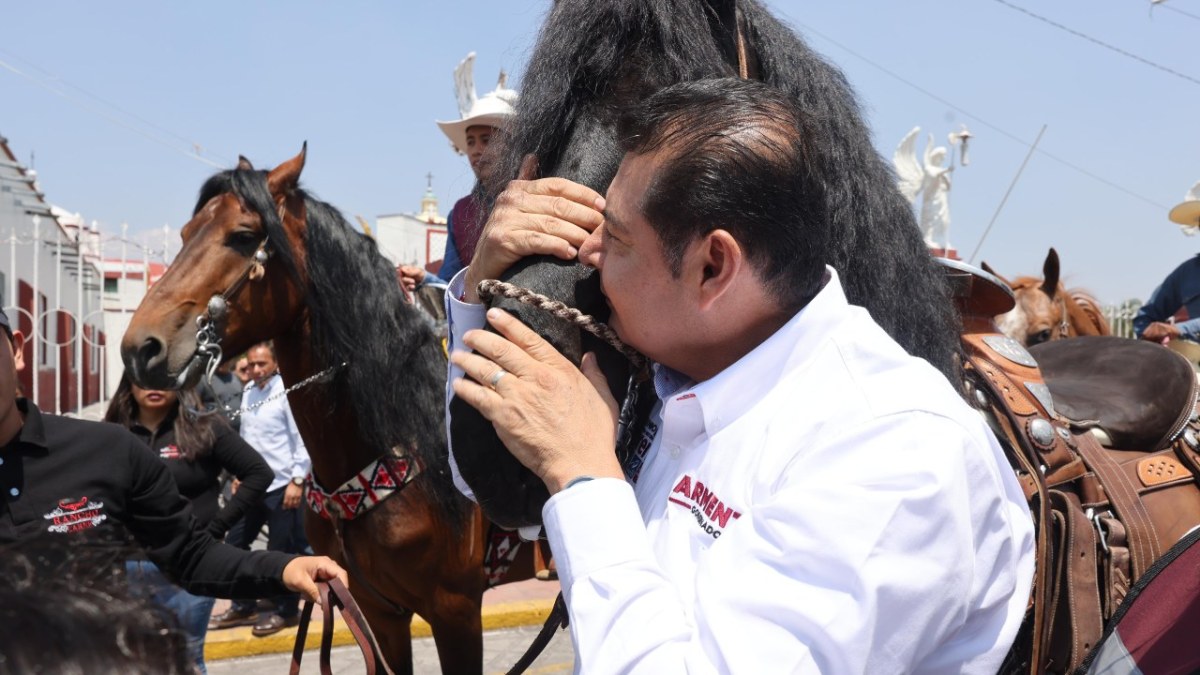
243,241
1039,338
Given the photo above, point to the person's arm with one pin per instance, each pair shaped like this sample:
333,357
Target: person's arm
460,318
161,521
1154,310
252,471
857,562
451,262
300,463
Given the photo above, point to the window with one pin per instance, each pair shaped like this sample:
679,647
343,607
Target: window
110,285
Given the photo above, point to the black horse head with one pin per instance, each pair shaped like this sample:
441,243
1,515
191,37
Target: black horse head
594,59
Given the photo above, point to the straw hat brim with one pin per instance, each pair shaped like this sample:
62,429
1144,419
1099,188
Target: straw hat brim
456,131
1186,213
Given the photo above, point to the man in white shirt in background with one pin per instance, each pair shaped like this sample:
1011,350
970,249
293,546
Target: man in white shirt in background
813,498
268,426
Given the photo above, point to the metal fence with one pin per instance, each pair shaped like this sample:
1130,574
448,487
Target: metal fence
1120,317
65,289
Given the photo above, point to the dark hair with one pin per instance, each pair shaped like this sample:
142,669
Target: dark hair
194,434
268,345
61,617
733,156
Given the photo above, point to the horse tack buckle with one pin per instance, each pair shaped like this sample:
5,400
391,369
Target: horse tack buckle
258,267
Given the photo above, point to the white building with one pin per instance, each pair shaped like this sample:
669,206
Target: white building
413,238
125,284
50,289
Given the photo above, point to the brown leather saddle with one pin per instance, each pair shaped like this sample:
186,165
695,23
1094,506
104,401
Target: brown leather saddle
1137,393
1102,515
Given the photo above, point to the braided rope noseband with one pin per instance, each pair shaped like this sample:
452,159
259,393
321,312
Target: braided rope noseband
490,288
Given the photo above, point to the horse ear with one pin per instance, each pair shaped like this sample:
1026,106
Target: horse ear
285,177
988,268
1050,273
244,164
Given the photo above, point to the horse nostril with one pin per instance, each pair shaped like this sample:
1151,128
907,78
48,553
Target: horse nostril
149,351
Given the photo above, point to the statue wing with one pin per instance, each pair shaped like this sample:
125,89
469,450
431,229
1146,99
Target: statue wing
464,85
1193,195
910,174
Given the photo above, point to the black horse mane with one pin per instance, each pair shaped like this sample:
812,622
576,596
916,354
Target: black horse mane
396,372
591,56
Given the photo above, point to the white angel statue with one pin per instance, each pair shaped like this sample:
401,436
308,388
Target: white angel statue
929,179
1187,212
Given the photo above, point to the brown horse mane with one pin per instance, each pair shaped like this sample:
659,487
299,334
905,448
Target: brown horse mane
396,372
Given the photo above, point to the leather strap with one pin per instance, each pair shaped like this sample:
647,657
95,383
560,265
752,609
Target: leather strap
335,595
1083,590
1144,545
558,619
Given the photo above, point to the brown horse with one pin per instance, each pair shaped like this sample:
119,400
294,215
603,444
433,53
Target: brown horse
263,260
1046,310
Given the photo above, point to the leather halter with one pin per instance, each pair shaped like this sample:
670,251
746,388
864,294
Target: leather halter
740,38
1064,324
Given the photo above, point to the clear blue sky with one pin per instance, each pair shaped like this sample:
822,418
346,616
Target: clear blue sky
363,82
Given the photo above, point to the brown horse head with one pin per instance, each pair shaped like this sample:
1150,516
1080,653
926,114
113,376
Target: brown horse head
1046,310
224,275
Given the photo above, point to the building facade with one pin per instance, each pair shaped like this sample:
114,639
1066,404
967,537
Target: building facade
50,284
413,238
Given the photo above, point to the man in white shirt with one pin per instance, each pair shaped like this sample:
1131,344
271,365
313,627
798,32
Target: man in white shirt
811,498
268,426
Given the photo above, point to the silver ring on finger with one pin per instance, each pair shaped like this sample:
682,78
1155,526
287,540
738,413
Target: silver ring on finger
496,377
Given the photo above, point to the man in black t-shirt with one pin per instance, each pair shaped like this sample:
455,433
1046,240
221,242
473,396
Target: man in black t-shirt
95,482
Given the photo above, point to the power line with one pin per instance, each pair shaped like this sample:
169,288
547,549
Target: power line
984,122
83,105
1176,10
1093,40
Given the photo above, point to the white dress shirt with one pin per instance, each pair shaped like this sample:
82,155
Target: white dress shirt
271,430
826,504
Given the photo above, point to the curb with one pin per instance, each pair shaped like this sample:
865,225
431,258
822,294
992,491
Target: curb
238,642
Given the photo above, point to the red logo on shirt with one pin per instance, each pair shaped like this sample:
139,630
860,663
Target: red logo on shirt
170,452
711,513
75,515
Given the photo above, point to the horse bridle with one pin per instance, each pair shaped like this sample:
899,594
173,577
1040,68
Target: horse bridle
208,334
1064,324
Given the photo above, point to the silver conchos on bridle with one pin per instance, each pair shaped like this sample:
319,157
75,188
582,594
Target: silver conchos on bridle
212,320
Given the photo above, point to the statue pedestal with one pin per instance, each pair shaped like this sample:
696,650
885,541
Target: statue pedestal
944,253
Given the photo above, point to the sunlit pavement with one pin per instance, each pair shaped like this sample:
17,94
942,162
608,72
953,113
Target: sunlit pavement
501,650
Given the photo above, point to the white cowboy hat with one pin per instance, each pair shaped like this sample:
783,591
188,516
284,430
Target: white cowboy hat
1187,212
493,109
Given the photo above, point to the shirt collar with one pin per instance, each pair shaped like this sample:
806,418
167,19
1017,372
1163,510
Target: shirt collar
33,430
725,397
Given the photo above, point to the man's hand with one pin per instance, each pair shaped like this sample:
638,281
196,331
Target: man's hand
558,422
549,216
410,277
1159,331
302,574
292,495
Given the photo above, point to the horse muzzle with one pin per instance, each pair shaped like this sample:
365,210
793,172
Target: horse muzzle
148,361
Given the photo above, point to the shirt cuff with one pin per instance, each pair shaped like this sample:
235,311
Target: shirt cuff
594,525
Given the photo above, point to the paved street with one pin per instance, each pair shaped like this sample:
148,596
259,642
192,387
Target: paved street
501,649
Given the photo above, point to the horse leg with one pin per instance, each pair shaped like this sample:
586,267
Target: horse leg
458,631
392,630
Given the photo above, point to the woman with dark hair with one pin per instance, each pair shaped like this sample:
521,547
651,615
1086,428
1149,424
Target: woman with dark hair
195,449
